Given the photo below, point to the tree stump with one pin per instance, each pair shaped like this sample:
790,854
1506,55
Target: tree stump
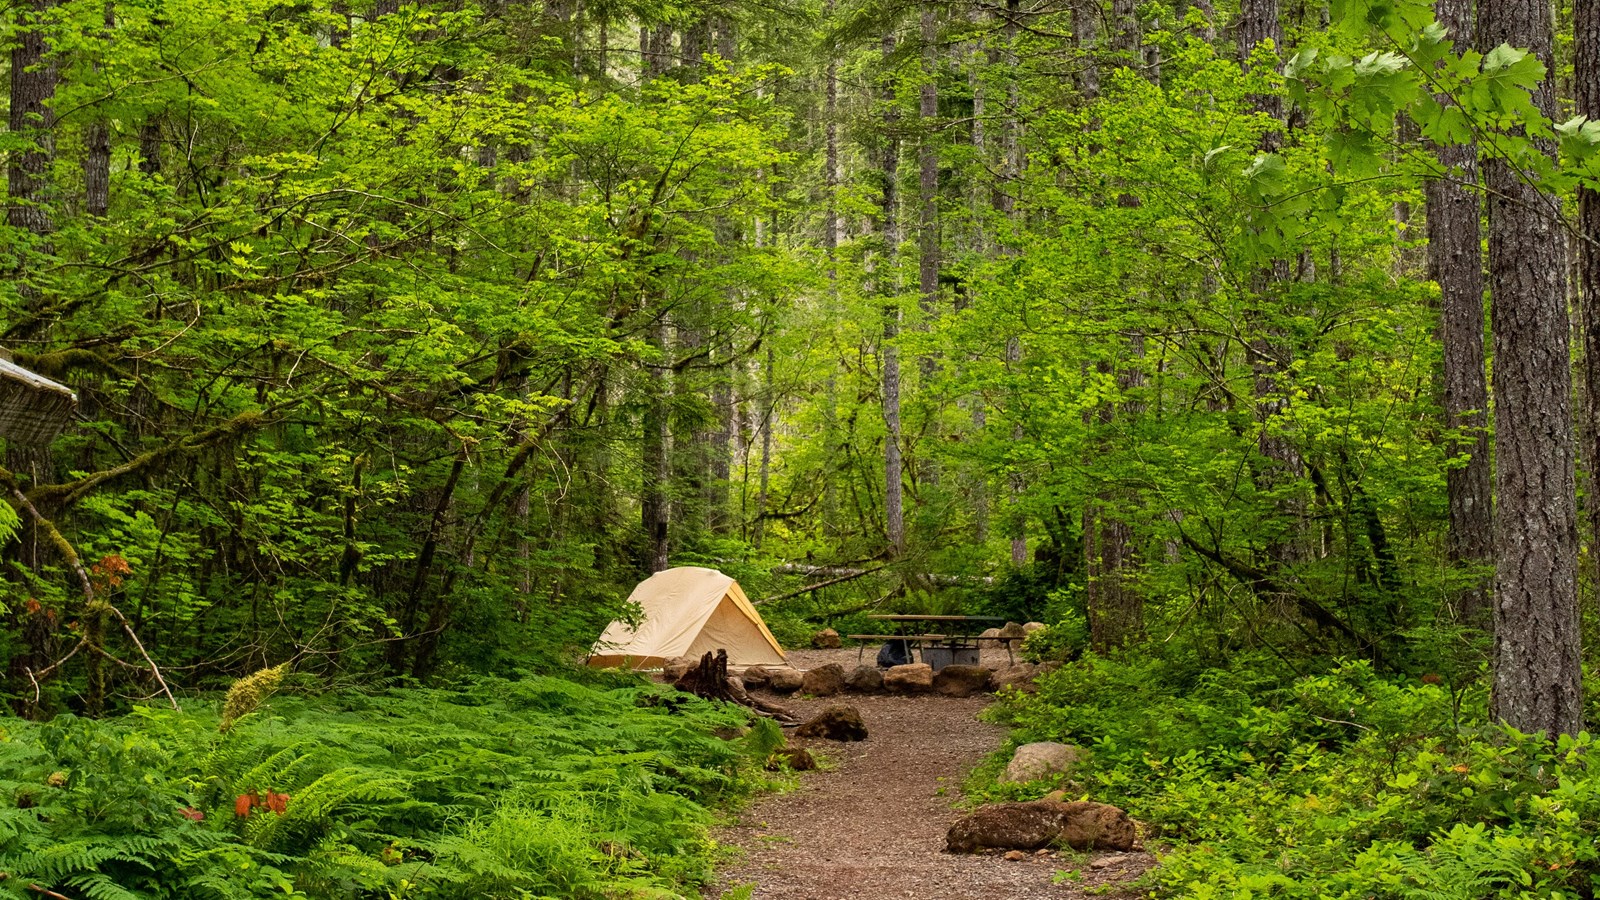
710,679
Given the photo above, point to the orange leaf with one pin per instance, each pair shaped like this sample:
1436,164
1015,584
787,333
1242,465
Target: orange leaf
241,806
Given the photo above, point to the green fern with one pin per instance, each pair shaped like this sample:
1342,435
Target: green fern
536,788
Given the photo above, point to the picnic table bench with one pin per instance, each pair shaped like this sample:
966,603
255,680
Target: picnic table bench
959,636
917,641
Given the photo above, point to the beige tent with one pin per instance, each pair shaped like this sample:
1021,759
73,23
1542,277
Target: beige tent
687,612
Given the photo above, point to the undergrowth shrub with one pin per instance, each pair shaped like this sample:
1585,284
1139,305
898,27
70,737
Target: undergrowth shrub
534,788
1258,782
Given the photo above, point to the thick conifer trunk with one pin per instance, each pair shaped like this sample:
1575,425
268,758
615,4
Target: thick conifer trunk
1086,35
888,285
1586,90
1269,351
1455,261
926,466
830,245
97,150
1006,202
33,86
1536,654
655,508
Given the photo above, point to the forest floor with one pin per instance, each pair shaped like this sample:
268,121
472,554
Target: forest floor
873,823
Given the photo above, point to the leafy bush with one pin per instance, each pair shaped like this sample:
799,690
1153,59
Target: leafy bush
1256,782
533,788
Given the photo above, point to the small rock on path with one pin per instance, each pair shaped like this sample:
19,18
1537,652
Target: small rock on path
874,825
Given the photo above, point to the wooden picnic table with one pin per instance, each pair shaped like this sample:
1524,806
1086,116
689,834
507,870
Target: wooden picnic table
955,639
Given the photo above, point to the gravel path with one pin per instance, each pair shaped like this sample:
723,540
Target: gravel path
873,825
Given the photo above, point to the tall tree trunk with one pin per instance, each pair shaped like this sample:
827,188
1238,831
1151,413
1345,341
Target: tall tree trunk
1085,35
97,146
1271,355
97,169
977,481
1455,261
1005,201
655,508
1537,664
1586,90
150,147
769,396
928,174
33,86
888,286
1125,33
1116,610
1258,24
928,228
1208,11
1115,606
830,245
1152,57
721,451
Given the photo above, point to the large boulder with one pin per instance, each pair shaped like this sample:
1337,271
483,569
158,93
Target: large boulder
823,681
756,677
674,668
1031,627
864,680
990,633
1014,633
1019,676
1080,825
784,680
912,678
826,639
1032,762
836,723
961,681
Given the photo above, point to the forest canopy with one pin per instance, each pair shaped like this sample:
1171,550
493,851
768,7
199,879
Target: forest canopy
406,337
1253,349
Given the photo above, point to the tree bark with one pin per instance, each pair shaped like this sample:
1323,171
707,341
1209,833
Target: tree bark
764,482
926,467
830,245
97,148
1125,34
150,147
1116,608
888,286
33,86
1085,34
1271,356
1455,261
1005,200
977,480
1258,24
1586,91
655,508
928,176
1537,665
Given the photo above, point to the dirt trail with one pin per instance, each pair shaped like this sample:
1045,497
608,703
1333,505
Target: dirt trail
873,826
